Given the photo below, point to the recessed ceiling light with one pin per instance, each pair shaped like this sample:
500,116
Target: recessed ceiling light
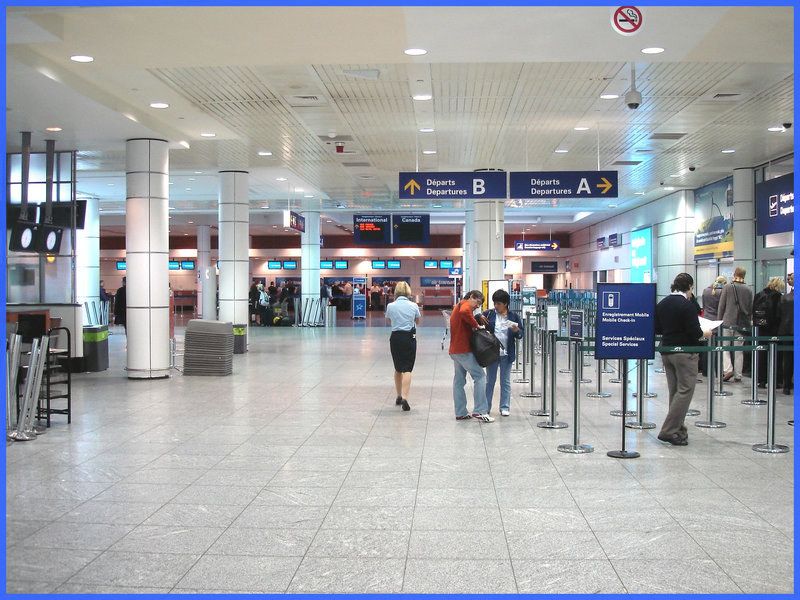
81,58
159,105
429,151
422,96
190,222
52,129
329,221
581,128
652,50
208,134
609,96
185,234
415,51
191,179
612,206
198,172
185,144
426,130
561,151
437,206
280,179
171,183
675,175
775,129
265,153
110,184
172,208
669,188
265,206
188,189
728,151
639,193
308,196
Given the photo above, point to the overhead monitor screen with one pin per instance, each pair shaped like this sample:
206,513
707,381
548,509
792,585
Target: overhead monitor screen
371,229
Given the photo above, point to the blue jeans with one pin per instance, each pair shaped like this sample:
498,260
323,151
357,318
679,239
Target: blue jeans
466,363
505,382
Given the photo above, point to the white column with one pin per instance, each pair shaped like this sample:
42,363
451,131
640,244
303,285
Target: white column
744,230
147,256
234,246
489,235
468,257
204,262
87,256
309,256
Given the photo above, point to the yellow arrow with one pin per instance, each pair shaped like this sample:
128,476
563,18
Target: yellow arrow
606,184
411,184
554,246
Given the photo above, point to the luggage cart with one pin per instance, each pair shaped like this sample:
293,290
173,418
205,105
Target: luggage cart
446,314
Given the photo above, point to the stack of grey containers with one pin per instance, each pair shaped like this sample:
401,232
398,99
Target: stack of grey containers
208,348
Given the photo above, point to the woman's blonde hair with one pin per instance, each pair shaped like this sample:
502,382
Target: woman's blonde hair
721,280
776,283
402,289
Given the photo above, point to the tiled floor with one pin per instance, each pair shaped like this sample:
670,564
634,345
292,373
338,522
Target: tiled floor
299,474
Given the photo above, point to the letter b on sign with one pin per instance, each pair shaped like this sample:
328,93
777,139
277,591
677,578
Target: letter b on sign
478,187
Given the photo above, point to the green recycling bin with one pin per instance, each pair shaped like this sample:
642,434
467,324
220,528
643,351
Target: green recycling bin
239,339
95,348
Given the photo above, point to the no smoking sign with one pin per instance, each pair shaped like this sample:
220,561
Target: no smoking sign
626,20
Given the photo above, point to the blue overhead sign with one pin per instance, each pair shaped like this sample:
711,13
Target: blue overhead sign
625,320
455,272
456,185
537,245
564,184
544,266
775,205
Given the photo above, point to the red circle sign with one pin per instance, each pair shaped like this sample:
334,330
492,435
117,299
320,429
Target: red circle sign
626,20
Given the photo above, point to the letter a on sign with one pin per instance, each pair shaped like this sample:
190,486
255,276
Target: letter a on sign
478,187
583,187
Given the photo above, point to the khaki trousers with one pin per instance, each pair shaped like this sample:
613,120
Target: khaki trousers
681,371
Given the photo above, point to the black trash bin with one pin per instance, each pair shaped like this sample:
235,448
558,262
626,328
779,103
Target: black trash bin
240,339
95,348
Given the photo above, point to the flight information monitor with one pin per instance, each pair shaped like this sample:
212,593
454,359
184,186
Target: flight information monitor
371,229
412,230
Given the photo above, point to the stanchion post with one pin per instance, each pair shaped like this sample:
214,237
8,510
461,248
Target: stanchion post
755,400
619,373
623,369
576,447
599,393
543,412
711,423
641,385
771,447
721,367
551,423
529,337
623,453
524,378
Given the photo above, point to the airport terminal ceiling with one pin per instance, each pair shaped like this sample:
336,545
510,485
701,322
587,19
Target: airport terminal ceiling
317,103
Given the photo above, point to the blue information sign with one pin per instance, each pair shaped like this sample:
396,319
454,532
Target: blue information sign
576,324
775,205
537,245
544,266
360,299
455,272
457,185
625,320
563,184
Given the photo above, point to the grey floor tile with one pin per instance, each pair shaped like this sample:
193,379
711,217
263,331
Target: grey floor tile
235,478
543,519
550,576
135,569
459,479
77,536
256,574
456,497
447,576
296,496
140,492
667,542
194,515
372,543
158,475
743,543
693,576
240,541
377,496
20,508
308,479
370,479
436,518
115,513
30,587
368,517
348,575
171,539
291,517
215,494
467,544
45,564
529,497
87,588
553,545
768,574
18,531
608,518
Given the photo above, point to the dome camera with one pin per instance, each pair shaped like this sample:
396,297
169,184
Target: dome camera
692,168
633,99
787,125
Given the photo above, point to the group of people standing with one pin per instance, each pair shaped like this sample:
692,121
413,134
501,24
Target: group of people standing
264,300
403,316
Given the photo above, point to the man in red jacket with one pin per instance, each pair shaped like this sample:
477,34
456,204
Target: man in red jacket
462,323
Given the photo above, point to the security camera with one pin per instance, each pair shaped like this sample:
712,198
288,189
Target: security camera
787,125
633,99
692,168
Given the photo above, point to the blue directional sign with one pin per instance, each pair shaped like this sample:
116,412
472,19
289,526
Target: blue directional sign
563,184
537,245
625,320
453,185
455,272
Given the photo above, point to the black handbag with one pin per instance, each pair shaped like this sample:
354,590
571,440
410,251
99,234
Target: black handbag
485,346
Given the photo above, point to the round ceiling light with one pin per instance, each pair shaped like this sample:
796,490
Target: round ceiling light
415,51
265,153
159,105
728,151
581,128
652,50
422,96
609,96
81,58
52,129
208,134
426,130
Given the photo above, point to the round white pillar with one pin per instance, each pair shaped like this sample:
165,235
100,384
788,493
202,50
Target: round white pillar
309,258
87,257
468,257
147,256
203,262
489,236
234,247
744,210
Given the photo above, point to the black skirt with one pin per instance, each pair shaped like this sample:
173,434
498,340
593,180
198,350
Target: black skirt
403,345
